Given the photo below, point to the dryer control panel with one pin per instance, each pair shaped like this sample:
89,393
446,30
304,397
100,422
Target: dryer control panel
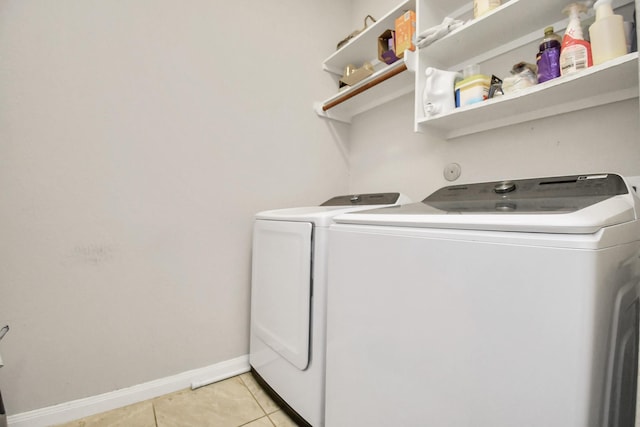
363,199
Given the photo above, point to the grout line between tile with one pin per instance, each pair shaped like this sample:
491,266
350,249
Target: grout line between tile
271,421
249,422
155,416
253,396
266,414
265,410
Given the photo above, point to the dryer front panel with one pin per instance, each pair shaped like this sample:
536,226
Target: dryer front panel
281,287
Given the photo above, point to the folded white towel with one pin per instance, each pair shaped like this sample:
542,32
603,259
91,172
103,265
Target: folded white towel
432,34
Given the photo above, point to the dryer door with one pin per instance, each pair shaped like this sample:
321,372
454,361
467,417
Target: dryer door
281,287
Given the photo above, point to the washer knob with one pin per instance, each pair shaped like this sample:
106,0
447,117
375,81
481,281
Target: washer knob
355,198
504,187
506,207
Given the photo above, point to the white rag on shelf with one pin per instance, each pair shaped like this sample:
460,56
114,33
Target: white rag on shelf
432,34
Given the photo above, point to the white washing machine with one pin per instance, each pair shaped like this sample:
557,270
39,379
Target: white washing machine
488,305
288,301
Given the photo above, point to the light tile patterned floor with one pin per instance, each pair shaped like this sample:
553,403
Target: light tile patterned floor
238,401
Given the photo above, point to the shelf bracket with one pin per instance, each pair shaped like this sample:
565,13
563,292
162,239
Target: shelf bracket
330,115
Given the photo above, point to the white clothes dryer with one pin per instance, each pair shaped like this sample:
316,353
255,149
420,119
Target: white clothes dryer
495,304
288,301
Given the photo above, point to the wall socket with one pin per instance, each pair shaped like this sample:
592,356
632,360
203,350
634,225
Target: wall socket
452,171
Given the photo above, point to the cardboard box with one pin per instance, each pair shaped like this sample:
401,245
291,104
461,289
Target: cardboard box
357,75
405,30
387,47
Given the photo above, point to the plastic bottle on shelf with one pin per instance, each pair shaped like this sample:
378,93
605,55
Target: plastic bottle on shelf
548,58
480,7
438,96
607,33
575,52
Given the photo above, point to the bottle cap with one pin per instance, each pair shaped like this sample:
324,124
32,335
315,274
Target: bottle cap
603,9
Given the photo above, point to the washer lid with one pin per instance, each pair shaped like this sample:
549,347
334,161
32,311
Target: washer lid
568,204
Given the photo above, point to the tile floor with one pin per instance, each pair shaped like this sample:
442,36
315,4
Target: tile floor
238,401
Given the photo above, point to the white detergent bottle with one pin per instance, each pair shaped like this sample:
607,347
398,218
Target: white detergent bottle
575,51
438,96
607,33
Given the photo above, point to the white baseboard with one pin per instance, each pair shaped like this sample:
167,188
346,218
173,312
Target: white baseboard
81,408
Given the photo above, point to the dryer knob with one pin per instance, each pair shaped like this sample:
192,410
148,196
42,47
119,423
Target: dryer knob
504,187
354,199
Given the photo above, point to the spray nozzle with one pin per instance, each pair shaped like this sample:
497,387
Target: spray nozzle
574,9
574,29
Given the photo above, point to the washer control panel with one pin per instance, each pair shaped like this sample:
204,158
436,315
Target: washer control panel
504,187
552,194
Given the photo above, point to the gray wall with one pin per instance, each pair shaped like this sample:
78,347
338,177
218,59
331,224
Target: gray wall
137,140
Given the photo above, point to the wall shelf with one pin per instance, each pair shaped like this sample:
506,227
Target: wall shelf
494,36
364,47
388,81
382,86
613,81
496,29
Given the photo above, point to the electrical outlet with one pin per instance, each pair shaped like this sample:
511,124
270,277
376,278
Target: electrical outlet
452,171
